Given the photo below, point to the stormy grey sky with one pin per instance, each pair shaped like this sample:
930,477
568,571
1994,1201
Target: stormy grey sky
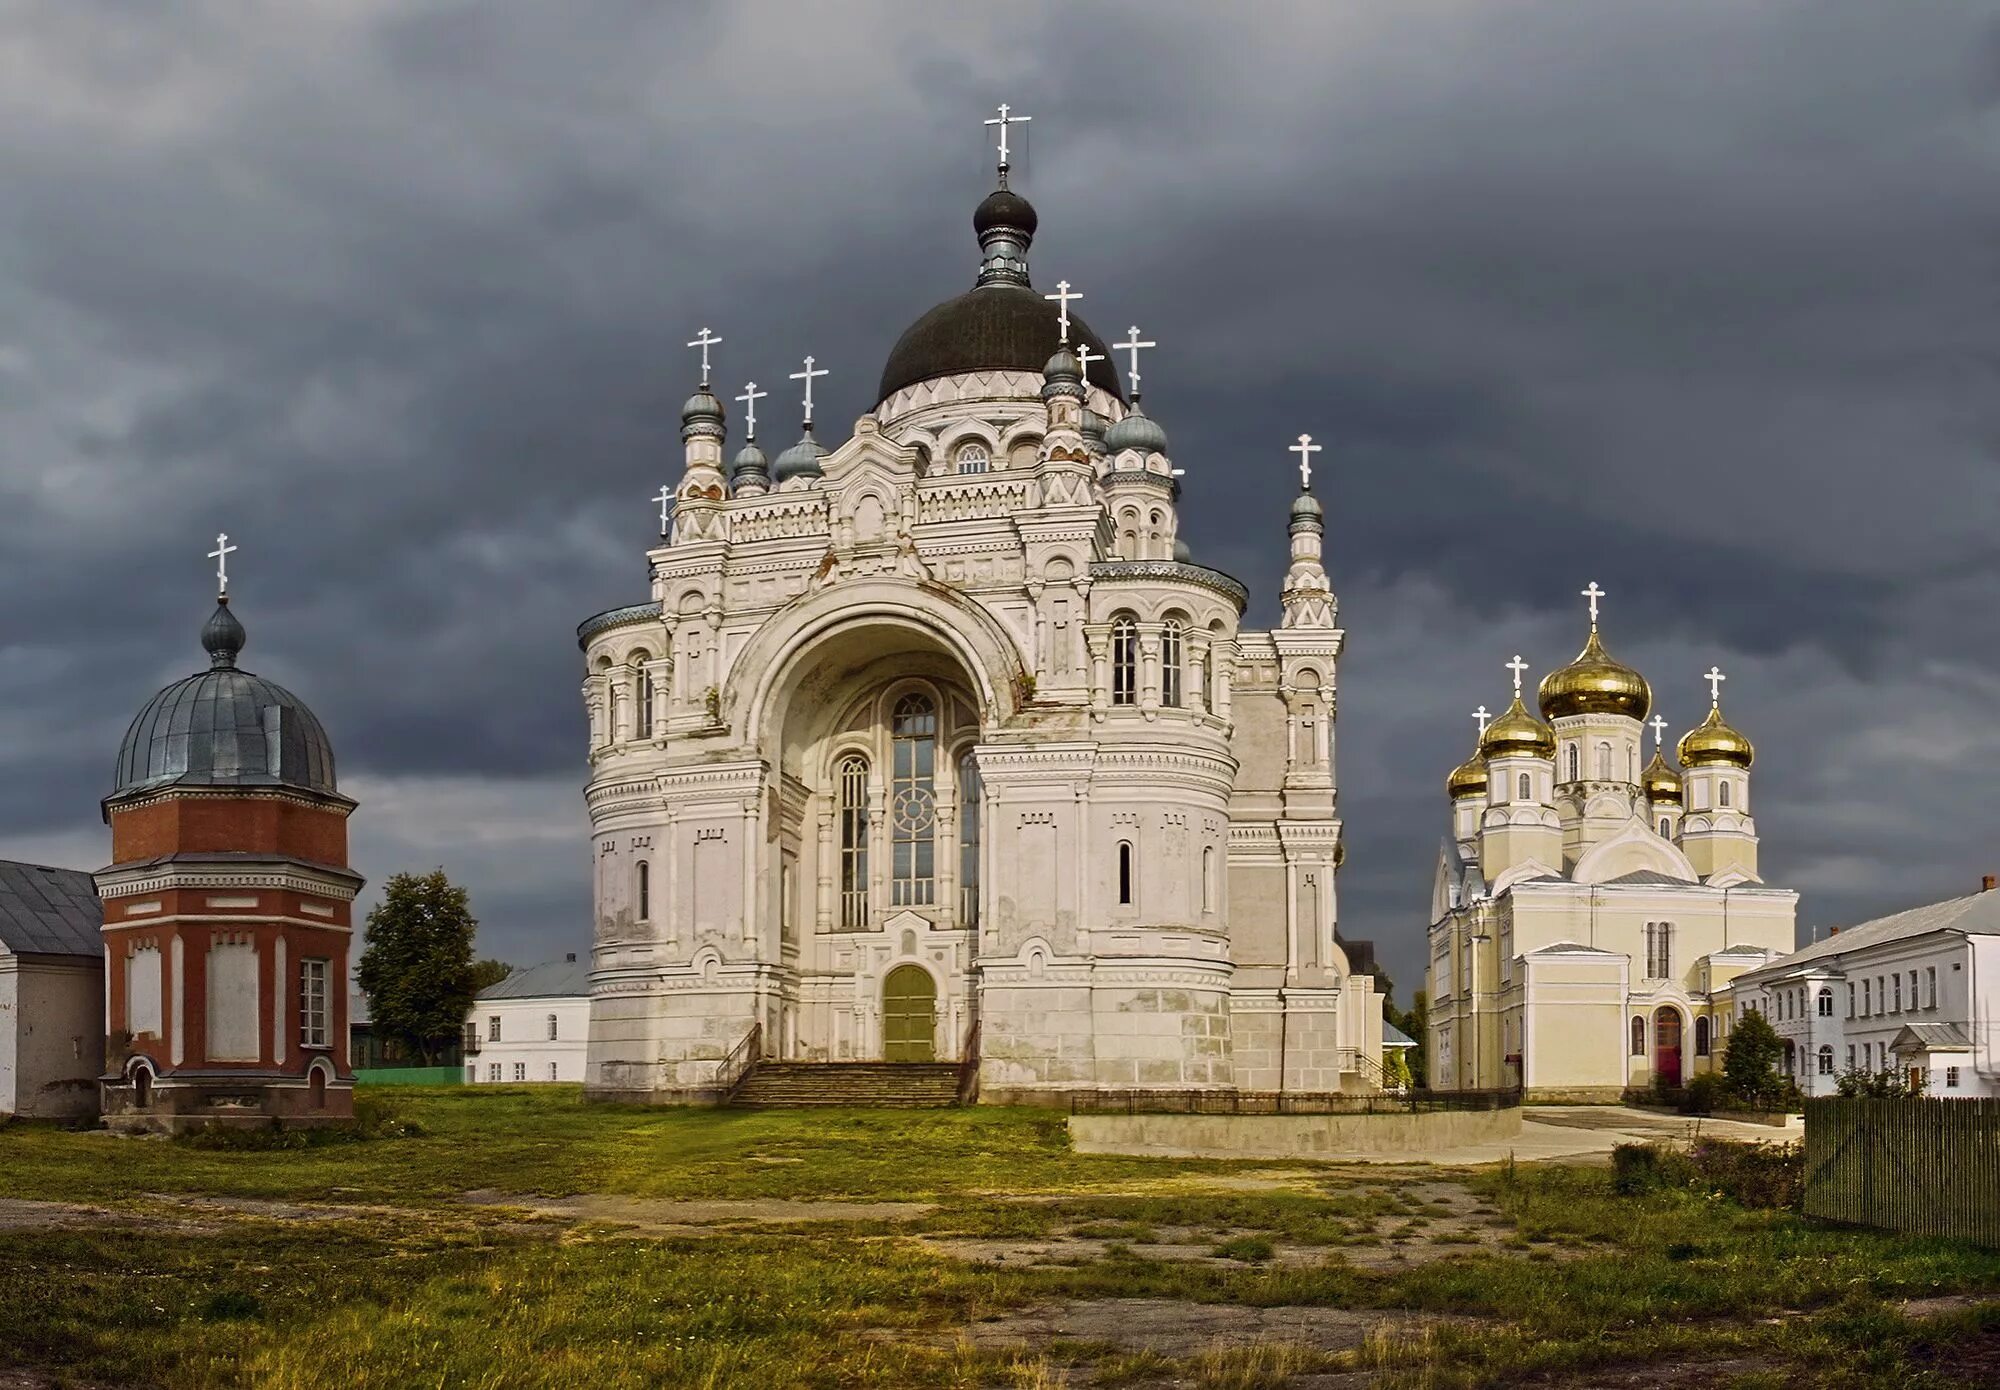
1697,300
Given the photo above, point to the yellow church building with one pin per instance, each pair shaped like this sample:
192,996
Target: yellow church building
1589,908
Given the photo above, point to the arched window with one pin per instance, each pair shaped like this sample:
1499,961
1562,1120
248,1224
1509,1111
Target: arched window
1124,873
913,802
642,681
1665,828
552,1028
973,458
1124,662
642,891
611,704
1172,652
1208,878
1604,762
1826,1059
1701,1037
968,840
854,841
1631,765
1638,1035
1574,759
1723,793
1527,788
1826,1003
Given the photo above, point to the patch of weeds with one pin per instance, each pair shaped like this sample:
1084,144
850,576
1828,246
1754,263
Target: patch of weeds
1133,1231
1257,1366
1131,1368
1248,1249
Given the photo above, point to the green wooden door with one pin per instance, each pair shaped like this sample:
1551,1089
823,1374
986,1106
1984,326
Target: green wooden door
909,1015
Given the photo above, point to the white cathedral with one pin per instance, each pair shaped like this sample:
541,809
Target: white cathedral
1589,914
936,746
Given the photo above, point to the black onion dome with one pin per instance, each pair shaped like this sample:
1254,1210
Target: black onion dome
225,728
992,328
1005,208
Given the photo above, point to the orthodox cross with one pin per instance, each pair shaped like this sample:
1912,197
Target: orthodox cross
1062,296
1517,666
1305,449
223,550
751,395
665,499
1003,120
1593,593
1659,732
1484,716
1084,357
807,377
1132,345
706,341
1715,678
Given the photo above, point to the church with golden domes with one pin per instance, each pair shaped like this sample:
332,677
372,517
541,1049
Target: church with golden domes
1592,904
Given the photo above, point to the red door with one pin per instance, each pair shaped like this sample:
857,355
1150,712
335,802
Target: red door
1667,1047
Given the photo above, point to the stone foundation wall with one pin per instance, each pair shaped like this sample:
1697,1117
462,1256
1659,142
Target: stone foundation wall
180,1107
1289,1136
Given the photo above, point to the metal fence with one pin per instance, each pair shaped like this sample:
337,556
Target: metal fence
1925,1167
1285,1102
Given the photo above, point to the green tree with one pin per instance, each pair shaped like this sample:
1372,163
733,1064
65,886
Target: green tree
1750,1062
417,969
489,972
1415,1023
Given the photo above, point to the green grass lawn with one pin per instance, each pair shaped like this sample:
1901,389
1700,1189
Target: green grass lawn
416,1288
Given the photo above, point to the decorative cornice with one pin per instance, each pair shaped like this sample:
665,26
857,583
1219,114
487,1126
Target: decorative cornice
1176,571
144,879
614,617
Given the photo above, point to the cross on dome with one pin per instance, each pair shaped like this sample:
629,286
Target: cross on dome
1084,357
1484,716
1063,296
1593,593
1305,449
1715,678
1133,345
223,550
665,498
1003,120
807,376
751,395
1517,666
704,342
1659,727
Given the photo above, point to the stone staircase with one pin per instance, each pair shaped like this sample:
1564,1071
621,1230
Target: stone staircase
902,1085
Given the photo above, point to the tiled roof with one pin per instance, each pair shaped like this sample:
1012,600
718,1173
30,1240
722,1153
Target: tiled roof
551,979
49,912
1978,913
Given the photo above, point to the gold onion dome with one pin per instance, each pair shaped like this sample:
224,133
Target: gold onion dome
1712,743
1517,733
1662,782
1595,684
1468,778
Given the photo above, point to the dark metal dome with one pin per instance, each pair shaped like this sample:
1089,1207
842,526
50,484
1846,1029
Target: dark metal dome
994,327
1005,208
225,728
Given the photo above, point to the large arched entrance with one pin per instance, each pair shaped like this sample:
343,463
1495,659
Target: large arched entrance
909,1015
1667,1046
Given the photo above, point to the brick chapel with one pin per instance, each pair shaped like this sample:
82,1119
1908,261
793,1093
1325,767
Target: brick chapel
227,907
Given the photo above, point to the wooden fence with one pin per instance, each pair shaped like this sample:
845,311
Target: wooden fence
1926,1167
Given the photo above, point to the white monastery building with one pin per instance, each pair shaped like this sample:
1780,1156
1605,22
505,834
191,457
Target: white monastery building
936,744
1588,909
51,992
531,1026
1917,992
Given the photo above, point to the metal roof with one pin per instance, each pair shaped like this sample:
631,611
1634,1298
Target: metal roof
49,912
552,979
1392,1036
1942,1037
1977,913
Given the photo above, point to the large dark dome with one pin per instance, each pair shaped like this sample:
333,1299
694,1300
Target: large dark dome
992,327
225,728
1003,323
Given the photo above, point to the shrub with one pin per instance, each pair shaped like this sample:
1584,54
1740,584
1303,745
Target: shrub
1705,1094
1751,1175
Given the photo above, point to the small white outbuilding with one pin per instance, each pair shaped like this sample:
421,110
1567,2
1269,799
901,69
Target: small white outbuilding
531,1027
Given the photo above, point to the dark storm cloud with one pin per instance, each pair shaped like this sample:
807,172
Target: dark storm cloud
1695,300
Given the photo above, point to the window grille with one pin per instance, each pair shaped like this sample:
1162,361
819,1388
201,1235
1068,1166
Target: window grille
854,842
1124,662
312,1003
1171,655
969,809
913,802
